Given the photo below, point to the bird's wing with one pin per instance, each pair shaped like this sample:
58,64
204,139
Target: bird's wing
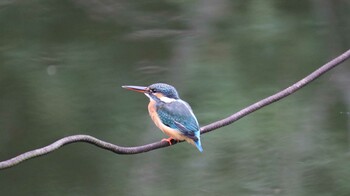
178,115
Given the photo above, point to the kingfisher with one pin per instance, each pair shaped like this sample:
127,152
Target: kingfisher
170,114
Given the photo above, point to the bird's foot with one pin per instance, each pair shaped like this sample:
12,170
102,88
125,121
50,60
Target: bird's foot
168,140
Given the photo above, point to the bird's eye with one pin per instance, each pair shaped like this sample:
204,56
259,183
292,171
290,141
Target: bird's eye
153,90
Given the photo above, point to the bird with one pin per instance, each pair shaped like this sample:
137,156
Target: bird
170,114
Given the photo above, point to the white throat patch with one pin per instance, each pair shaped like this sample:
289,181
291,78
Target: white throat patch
148,96
167,99
163,99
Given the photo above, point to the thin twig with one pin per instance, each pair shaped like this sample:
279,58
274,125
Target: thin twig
152,146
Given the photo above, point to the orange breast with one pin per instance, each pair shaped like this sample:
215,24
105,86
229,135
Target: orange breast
175,134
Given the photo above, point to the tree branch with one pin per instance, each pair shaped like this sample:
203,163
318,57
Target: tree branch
281,94
152,146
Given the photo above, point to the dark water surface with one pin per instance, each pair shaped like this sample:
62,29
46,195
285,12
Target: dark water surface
62,65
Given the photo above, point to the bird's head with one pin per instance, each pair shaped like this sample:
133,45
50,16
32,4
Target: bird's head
157,91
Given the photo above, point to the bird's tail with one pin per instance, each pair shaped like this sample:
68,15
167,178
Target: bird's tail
199,145
197,141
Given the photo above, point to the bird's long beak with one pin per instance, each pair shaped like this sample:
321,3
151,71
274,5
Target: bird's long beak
140,89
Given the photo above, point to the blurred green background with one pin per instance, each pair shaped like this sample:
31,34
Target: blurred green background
63,62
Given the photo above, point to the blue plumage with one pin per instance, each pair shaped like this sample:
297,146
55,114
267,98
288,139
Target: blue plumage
178,115
171,114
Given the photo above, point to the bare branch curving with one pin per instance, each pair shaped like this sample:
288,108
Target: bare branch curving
160,144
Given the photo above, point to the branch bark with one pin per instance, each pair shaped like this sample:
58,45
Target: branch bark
205,129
